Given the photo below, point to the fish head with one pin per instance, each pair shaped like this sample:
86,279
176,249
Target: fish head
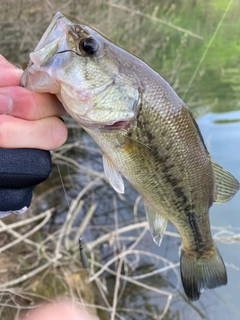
86,72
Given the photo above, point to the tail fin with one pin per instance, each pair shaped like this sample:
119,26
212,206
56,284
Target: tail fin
202,273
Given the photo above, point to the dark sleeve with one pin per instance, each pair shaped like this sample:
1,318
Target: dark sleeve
20,171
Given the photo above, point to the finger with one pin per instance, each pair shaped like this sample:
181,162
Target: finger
60,311
47,134
9,75
22,103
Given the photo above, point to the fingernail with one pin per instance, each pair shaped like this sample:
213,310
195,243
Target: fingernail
6,104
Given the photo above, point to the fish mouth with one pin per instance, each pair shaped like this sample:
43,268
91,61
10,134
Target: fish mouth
43,55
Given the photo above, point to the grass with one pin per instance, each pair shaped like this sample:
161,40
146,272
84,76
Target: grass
39,259
43,269
40,265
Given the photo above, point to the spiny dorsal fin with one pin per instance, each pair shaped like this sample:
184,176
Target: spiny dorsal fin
113,175
225,185
157,224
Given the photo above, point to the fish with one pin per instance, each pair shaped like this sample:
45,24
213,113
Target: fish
146,134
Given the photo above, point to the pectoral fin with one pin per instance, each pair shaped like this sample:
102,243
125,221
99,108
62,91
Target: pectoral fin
225,185
113,175
157,224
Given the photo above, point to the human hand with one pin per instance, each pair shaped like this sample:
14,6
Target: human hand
28,119
28,122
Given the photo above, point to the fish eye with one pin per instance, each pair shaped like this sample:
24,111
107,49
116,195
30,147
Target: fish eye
88,46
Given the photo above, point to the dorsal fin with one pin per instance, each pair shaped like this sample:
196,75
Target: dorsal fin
157,224
225,185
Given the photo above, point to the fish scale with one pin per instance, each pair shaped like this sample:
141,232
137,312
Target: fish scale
146,134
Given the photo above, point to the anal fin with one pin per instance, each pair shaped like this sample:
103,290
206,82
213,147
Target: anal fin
113,175
157,224
225,185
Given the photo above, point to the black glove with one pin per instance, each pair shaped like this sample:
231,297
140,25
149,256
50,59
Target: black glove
20,171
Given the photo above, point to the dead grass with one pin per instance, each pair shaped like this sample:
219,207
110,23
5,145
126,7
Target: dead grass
38,266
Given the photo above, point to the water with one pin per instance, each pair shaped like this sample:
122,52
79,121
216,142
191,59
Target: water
206,72
222,136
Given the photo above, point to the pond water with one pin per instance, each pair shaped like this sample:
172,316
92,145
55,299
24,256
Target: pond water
222,136
203,66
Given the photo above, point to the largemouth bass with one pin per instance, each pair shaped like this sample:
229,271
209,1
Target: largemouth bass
146,134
